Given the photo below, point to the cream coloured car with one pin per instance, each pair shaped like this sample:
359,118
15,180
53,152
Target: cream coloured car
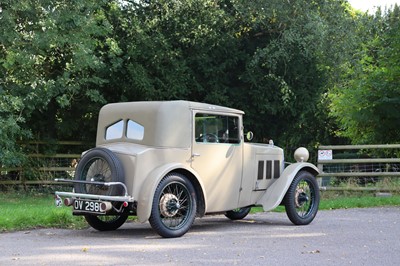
168,162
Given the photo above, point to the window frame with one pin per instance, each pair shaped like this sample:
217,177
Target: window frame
232,118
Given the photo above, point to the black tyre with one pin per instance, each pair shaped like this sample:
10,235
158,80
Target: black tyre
174,206
302,199
106,222
99,165
238,214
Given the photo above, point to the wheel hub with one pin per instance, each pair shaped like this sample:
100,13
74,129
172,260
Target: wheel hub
169,205
98,178
301,198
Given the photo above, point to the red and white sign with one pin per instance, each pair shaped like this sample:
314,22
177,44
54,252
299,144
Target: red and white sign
325,155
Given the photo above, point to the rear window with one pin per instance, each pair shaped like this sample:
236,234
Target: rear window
115,131
134,130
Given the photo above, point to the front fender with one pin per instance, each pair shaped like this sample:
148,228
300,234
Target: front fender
275,193
145,199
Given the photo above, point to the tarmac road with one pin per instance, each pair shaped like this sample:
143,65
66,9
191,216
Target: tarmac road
341,237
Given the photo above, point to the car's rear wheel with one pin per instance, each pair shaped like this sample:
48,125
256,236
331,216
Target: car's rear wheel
238,214
106,222
174,206
302,199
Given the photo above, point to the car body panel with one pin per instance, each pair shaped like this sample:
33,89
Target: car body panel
274,196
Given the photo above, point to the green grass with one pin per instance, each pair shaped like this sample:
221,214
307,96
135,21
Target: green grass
20,211
358,202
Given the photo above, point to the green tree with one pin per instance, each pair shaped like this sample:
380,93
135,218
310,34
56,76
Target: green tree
52,66
367,105
178,50
60,61
295,50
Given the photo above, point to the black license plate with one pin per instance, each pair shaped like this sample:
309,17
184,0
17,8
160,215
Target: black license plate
88,206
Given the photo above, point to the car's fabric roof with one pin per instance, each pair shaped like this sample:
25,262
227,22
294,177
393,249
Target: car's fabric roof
166,123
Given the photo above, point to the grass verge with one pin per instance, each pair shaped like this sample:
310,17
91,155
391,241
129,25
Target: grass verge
21,212
26,211
358,202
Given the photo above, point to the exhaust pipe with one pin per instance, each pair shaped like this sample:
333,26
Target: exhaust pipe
105,206
69,201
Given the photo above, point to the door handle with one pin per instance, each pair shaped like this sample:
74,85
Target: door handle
195,155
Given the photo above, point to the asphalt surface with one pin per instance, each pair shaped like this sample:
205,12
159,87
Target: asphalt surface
340,237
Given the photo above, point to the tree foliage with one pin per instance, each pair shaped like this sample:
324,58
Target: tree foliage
60,61
367,105
51,66
294,49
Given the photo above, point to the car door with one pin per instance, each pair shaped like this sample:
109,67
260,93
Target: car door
217,158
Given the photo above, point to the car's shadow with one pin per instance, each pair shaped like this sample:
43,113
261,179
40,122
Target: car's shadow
205,225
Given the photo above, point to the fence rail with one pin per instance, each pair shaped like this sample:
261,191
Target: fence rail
42,169
366,173
359,147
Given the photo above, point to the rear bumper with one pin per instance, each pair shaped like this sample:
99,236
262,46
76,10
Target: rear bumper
94,197
125,198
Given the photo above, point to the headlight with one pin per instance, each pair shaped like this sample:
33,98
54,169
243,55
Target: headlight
301,155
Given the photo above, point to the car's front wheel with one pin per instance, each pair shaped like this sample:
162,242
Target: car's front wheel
174,206
302,199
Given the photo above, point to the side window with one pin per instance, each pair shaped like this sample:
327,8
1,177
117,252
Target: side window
211,128
115,130
134,130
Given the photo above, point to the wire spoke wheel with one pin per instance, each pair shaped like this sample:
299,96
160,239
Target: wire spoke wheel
99,165
106,222
238,214
174,206
302,199
97,170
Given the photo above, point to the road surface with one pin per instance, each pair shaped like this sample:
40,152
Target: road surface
340,237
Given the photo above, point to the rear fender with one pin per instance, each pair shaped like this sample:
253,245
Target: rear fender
276,192
145,199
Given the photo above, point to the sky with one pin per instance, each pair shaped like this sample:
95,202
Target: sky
368,5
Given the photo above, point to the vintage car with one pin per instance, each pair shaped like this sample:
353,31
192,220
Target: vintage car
167,162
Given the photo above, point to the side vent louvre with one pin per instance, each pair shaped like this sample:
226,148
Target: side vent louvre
260,174
269,169
272,169
276,169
